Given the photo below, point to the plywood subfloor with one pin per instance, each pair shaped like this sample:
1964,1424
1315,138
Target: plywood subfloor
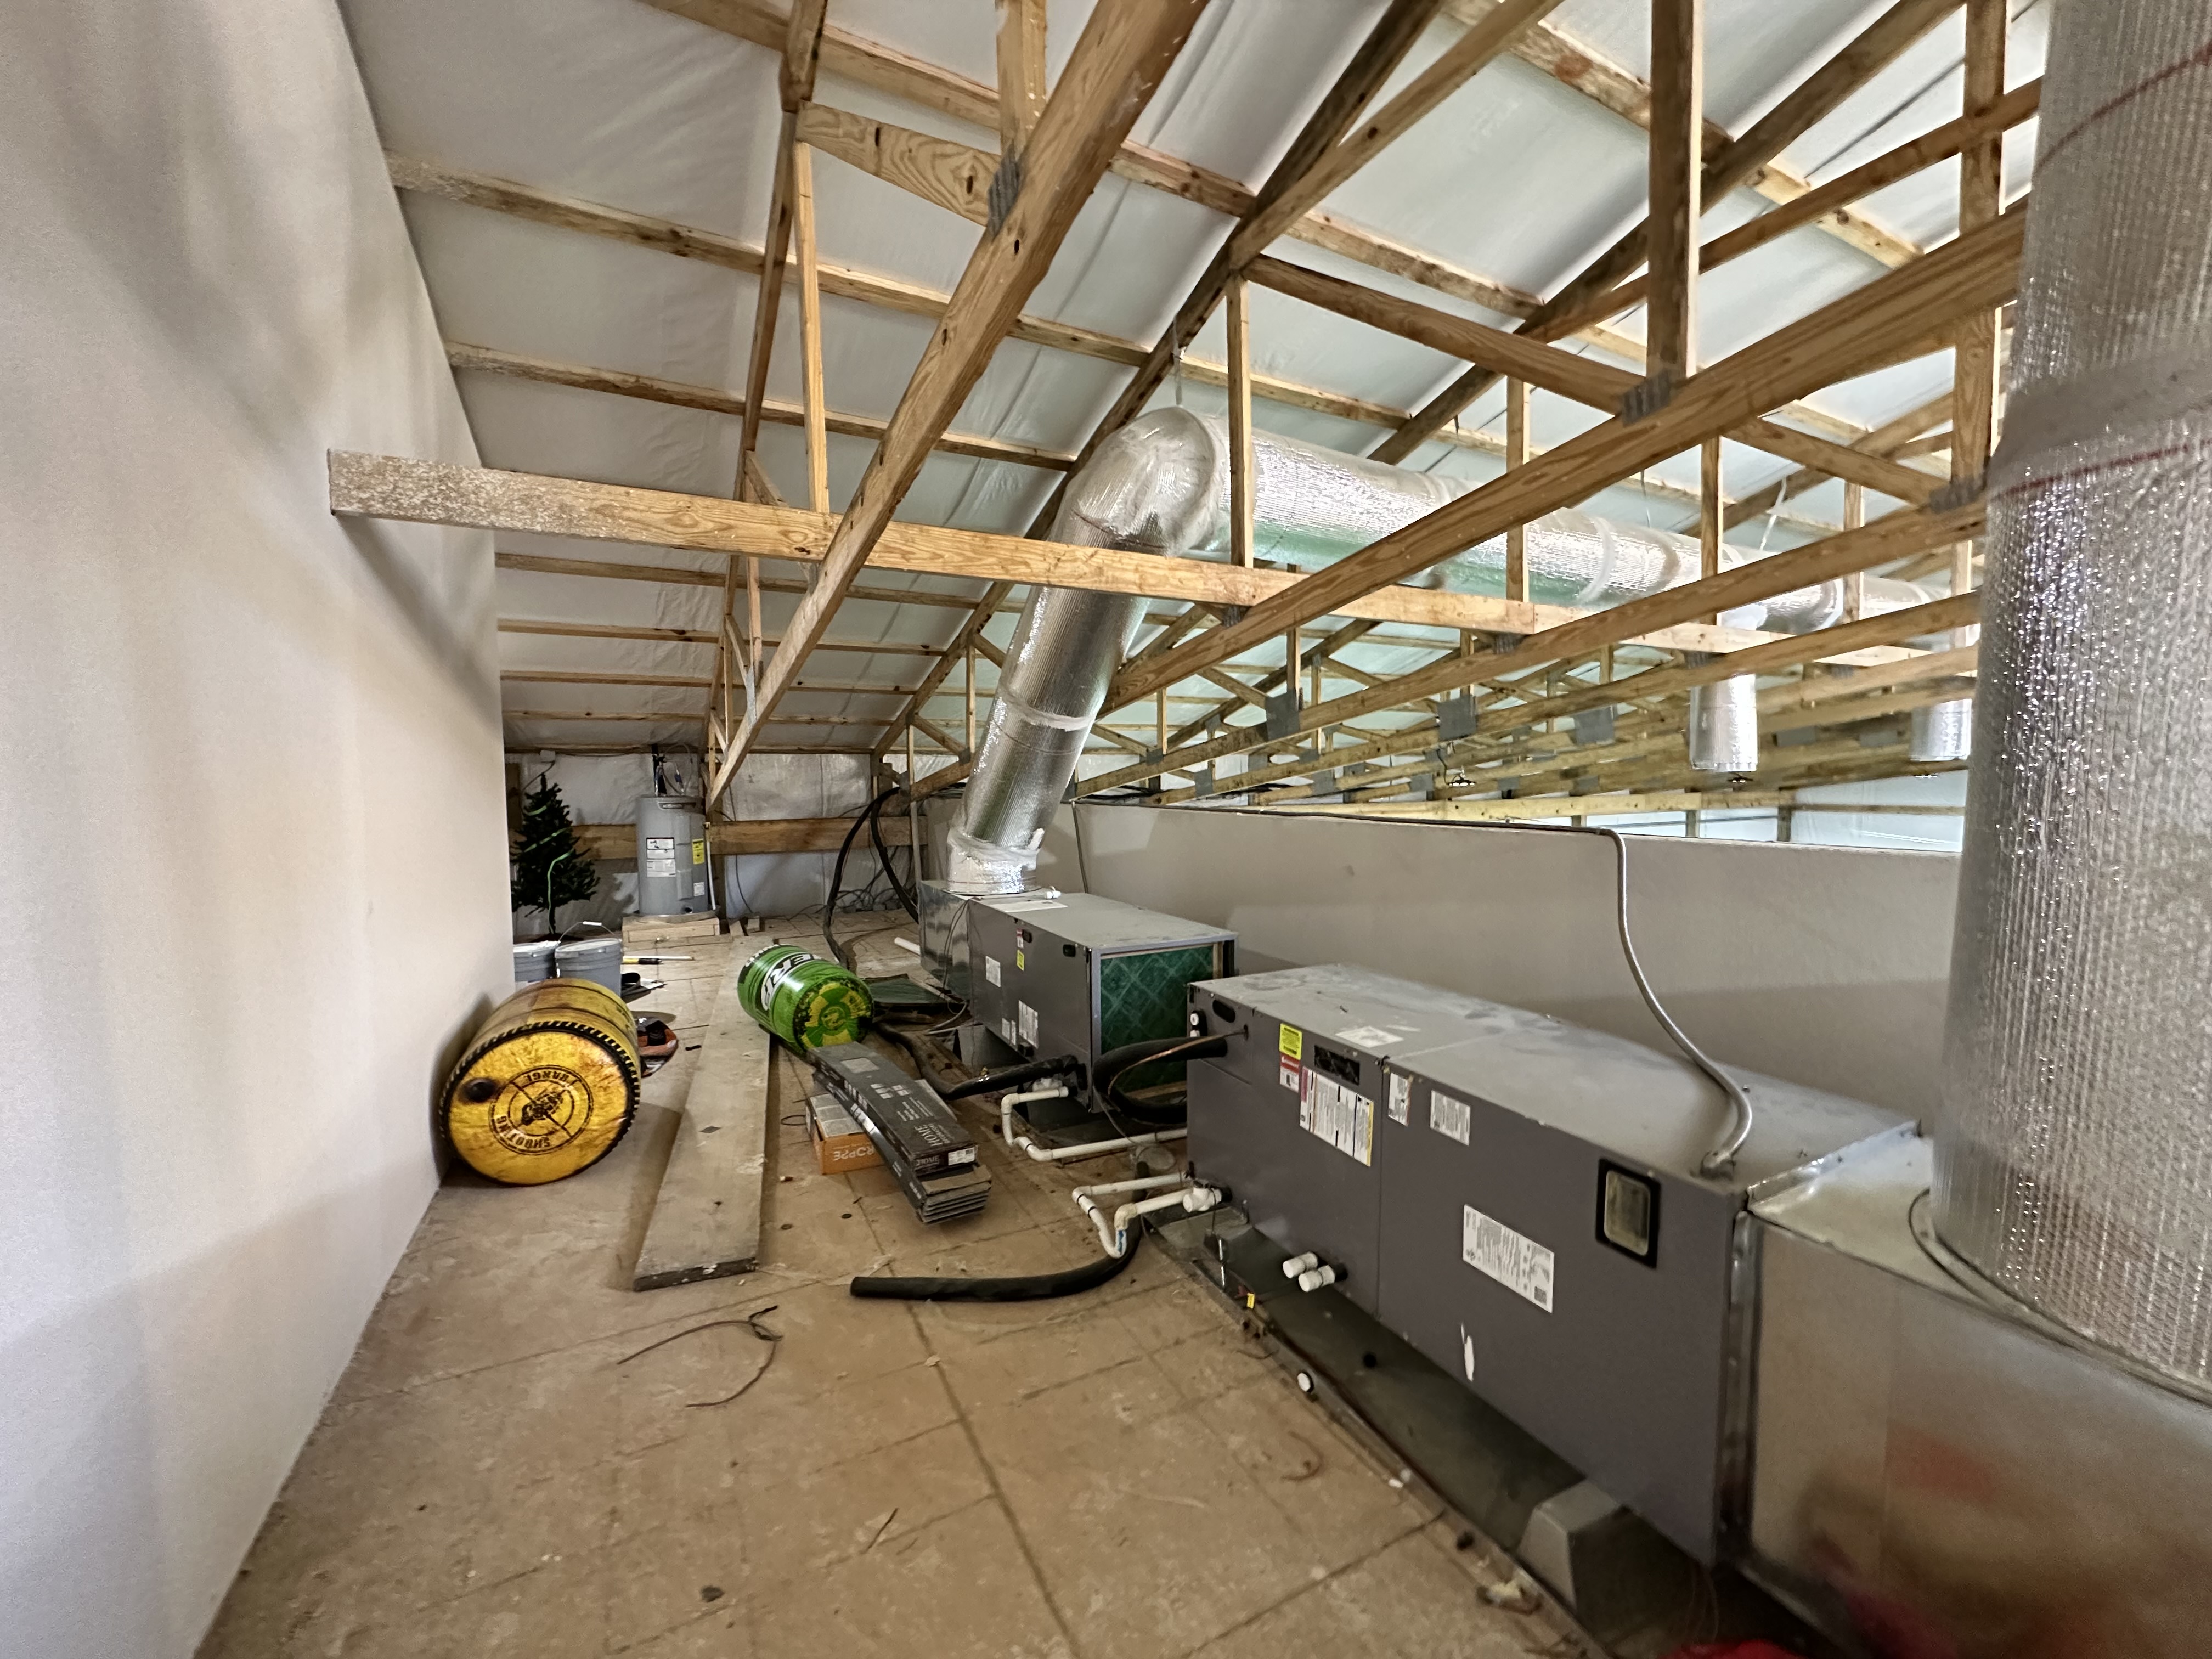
1120,1472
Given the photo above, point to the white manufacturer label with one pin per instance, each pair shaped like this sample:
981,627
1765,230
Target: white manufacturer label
1521,1265
1450,1117
1401,1099
698,889
991,969
1028,1023
1332,1111
660,855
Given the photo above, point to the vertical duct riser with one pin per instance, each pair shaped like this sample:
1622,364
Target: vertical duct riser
2075,1146
1724,726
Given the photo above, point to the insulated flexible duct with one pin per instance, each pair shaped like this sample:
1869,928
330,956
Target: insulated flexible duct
2074,1149
1160,485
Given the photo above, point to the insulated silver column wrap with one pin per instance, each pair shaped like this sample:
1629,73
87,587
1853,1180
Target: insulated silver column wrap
2074,1150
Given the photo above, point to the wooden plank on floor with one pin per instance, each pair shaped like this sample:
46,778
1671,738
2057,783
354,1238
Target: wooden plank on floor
707,1220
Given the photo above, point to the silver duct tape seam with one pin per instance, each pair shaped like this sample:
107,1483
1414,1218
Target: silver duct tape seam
2073,1148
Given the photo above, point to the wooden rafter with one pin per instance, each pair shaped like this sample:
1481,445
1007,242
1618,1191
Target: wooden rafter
1584,379
683,395
503,196
1873,50
1110,76
1977,272
1385,45
1576,64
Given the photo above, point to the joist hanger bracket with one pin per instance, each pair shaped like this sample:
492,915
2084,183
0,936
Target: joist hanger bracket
1648,397
1006,188
1960,492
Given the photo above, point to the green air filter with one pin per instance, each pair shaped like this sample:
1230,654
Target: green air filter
807,1001
1146,995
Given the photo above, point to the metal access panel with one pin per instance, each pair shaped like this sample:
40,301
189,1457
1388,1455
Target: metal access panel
1544,1237
1296,1120
1075,974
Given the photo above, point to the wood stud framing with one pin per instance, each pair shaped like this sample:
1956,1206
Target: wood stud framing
1053,149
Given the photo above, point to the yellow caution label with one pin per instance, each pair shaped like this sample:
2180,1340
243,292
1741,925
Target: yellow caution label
1022,960
698,852
1294,1043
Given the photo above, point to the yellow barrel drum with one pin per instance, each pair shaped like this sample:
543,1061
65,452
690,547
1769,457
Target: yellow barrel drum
547,1086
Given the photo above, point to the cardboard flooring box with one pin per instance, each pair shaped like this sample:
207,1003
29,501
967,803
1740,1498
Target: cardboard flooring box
841,1144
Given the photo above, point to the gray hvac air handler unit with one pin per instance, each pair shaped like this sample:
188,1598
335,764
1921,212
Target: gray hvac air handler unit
1518,1198
1049,973
671,857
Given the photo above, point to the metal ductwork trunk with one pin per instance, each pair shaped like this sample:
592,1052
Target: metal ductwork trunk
2073,1149
1160,485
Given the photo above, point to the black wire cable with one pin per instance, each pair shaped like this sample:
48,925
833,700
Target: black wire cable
1115,1062
1035,1287
1034,1071
902,891
837,878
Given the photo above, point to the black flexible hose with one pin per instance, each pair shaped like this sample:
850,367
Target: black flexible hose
900,890
1037,1287
1033,1072
837,949
1115,1062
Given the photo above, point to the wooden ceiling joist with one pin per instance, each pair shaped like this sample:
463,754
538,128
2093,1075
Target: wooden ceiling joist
482,498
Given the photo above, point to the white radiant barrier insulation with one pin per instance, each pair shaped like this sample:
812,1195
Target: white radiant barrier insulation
2074,1150
1160,485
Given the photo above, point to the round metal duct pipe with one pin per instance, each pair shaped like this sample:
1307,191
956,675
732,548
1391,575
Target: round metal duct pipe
1160,485
1724,726
1942,732
2073,1148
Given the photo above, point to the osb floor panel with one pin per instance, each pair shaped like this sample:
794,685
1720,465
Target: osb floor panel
501,1471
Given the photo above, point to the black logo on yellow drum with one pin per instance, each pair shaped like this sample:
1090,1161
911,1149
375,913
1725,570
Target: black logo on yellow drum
541,1110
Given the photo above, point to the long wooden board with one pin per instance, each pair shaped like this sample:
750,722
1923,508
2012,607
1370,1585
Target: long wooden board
707,1220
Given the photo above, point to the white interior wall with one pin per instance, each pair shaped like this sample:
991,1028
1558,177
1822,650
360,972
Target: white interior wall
1826,965
251,826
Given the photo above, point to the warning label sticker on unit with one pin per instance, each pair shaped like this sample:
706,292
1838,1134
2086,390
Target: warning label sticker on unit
1521,1265
1401,1099
1293,1041
991,969
1450,1117
660,855
1028,1026
698,852
1337,1114
1290,1074
1368,1036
